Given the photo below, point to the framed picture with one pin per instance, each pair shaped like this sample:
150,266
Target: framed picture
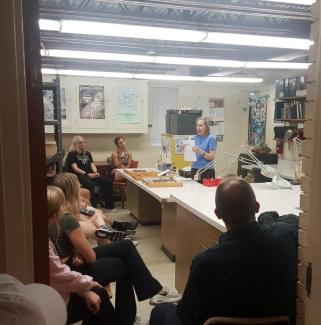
48,104
91,103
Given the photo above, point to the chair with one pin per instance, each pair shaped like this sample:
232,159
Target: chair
278,320
121,186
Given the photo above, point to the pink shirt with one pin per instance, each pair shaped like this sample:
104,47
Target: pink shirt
63,279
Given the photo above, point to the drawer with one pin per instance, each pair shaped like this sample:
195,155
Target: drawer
208,234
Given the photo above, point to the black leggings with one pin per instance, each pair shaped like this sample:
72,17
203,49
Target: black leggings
78,310
121,262
106,185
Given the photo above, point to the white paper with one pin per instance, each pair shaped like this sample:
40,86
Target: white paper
189,154
219,128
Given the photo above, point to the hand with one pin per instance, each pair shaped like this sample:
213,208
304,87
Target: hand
77,260
93,218
197,150
92,301
97,174
91,175
95,284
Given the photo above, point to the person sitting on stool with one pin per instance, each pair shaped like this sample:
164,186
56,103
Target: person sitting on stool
250,272
80,162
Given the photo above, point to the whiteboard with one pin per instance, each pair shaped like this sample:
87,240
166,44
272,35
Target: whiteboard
161,99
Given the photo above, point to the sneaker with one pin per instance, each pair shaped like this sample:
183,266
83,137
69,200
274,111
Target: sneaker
107,232
130,233
165,295
125,225
139,321
112,210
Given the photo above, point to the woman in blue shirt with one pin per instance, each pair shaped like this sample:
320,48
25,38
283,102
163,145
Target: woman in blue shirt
205,147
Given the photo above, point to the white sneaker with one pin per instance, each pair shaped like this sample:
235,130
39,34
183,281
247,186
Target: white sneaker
165,295
139,321
112,210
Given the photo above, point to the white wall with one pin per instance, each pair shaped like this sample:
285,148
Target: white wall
190,95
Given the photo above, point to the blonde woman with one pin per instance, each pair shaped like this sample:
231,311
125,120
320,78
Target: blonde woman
118,261
85,299
80,162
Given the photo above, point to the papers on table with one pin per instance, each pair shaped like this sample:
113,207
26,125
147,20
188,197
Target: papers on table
189,154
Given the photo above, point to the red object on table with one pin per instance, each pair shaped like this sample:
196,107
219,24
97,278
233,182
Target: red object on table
211,181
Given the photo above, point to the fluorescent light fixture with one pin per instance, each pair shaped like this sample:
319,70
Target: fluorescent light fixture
125,75
84,73
232,79
131,31
165,77
175,34
299,2
170,60
103,56
277,65
49,24
258,40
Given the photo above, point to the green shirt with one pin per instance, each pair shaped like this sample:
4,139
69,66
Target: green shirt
64,247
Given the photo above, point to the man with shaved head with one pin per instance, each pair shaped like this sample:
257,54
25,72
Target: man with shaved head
251,272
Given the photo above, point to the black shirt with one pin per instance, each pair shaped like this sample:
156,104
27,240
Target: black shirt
251,272
82,159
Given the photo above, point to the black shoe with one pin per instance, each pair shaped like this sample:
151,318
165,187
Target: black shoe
106,232
123,226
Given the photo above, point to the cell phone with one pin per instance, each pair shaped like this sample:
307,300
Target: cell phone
87,212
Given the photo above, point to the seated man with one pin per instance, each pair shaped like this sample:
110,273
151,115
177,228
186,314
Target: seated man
80,162
251,272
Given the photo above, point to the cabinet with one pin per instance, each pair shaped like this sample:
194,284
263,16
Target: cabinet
52,114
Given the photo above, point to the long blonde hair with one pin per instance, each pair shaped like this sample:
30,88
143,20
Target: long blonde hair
75,142
70,186
56,201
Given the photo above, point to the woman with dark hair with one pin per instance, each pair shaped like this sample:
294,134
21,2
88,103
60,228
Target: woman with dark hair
121,157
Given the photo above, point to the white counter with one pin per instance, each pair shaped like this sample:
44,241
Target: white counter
201,201
164,193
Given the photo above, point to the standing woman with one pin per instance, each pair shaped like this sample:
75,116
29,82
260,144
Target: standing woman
121,157
205,147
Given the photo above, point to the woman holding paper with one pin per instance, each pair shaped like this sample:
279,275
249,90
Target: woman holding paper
205,147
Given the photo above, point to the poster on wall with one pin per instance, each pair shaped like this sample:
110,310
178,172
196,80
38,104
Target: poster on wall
91,103
49,106
128,108
216,115
257,120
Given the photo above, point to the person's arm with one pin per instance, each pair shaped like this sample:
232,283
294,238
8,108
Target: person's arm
116,161
63,279
81,244
130,159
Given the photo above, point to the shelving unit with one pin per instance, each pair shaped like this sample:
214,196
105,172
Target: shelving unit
54,86
290,109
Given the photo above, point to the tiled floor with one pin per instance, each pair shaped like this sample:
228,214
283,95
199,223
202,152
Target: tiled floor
157,262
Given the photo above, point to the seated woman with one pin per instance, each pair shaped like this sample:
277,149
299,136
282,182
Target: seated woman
121,157
85,299
80,162
118,261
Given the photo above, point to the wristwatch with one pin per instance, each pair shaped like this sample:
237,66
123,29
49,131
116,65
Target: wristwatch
203,154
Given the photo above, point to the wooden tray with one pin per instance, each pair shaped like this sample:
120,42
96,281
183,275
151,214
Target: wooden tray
139,174
161,182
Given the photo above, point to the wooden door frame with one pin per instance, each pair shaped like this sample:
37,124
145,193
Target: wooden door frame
36,139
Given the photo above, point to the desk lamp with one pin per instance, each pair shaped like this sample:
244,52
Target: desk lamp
266,170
